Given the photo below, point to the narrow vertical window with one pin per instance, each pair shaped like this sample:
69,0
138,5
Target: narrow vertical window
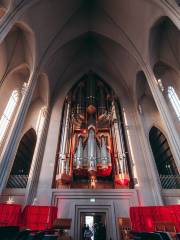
7,114
175,101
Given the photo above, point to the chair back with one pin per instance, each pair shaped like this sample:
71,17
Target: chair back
168,227
124,228
159,226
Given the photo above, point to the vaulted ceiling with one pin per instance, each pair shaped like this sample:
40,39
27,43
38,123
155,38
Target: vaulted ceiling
110,37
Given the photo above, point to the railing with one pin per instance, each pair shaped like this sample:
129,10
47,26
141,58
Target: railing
17,181
170,181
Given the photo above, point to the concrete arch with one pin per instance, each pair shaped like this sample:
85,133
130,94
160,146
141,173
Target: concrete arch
156,125
100,51
14,80
15,51
164,43
168,75
163,147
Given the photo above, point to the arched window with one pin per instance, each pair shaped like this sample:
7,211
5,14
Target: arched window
175,101
8,113
165,163
20,171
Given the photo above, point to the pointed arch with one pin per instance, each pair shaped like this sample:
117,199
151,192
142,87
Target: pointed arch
164,44
22,163
164,159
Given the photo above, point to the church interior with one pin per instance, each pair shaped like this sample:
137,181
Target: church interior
89,119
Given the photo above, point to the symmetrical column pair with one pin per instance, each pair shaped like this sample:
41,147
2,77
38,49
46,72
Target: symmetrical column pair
10,148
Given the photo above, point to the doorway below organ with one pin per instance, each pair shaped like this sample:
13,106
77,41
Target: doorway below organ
97,223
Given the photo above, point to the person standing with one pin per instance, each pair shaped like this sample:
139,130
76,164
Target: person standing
102,231
96,231
88,234
83,230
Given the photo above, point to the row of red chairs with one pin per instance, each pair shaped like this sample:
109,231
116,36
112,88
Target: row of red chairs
148,222
32,217
164,230
144,218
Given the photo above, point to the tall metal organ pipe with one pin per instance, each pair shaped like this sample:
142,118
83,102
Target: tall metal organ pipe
79,154
65,140
102,102
118,140
104,153
92,151
80,101
91,92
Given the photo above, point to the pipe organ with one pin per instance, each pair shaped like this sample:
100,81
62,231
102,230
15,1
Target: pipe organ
92,143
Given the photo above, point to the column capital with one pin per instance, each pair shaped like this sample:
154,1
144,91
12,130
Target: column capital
44,111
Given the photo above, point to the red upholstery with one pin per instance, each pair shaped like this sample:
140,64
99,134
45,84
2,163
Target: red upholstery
39,217
10,214
143,218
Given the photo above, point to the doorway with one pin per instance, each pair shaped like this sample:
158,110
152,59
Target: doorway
96,221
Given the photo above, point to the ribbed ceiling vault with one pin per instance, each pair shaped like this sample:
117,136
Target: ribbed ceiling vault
110,37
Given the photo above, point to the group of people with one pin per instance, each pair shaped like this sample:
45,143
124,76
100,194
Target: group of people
98,231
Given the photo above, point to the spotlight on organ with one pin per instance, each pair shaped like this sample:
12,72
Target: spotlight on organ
92,143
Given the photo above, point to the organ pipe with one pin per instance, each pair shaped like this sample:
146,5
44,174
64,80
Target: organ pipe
104,153
120,154
91,151
102,102
80,101
79,154
91,95
86,136
65,140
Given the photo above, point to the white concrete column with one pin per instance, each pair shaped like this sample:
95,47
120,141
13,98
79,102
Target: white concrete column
146,183
154,181
173,135
33,179
44,190
11,145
